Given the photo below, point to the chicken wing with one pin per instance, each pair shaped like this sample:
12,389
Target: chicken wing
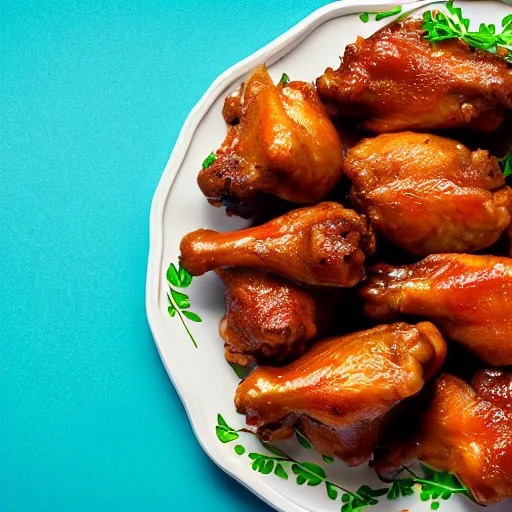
468,297
397,80
269,319
428,194
495,386
280,142
463,434
319,245
344,386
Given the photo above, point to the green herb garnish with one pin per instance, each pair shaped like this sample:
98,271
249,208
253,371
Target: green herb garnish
365,16
506,164
285,79
439,26
209,160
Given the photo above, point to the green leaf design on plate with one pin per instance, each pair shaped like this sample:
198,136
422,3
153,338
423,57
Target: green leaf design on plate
302,440
224,432
180,299
184,278
172,275
309,472
280,471
332,492
433,486
399,488
179,302
365,16
192,316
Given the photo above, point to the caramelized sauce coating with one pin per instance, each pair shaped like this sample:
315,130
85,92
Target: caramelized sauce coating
461,433
429,194
347,385
396,80
280,142
468,297
269,319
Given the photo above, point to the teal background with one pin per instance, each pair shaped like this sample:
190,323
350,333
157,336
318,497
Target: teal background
93,96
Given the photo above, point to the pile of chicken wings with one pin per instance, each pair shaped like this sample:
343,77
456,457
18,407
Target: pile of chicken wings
371,301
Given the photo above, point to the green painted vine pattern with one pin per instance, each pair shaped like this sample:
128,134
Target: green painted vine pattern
439,26
365,16
178,302
433,486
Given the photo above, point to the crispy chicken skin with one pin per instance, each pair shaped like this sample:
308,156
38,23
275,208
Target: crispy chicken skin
269,319
345,386
495,386
468,297
429,194
461,433
281,142
318,245
396,80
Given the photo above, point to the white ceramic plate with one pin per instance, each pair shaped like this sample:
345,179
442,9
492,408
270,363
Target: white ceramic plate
203,379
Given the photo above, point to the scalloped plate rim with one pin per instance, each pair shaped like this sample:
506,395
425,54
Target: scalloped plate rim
270,53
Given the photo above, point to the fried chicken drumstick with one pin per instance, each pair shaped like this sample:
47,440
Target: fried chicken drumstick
342,389
269,319
462,433
319,245
468,297
396,80
429,194
280,142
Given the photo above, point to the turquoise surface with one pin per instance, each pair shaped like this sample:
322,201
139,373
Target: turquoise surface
93,95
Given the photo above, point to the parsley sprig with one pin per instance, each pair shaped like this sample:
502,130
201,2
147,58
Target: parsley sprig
506,164
285,80
439,26
209,160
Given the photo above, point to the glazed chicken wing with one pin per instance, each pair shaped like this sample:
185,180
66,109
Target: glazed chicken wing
397,80
468,297
281,142
461,433
269,319
342,389
495,386
428,194
319,245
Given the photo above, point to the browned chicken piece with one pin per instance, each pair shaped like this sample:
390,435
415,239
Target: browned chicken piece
269,319
318,245
508,236
342,389
428,194
396,80
280,142
468,297
463,434
495,386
